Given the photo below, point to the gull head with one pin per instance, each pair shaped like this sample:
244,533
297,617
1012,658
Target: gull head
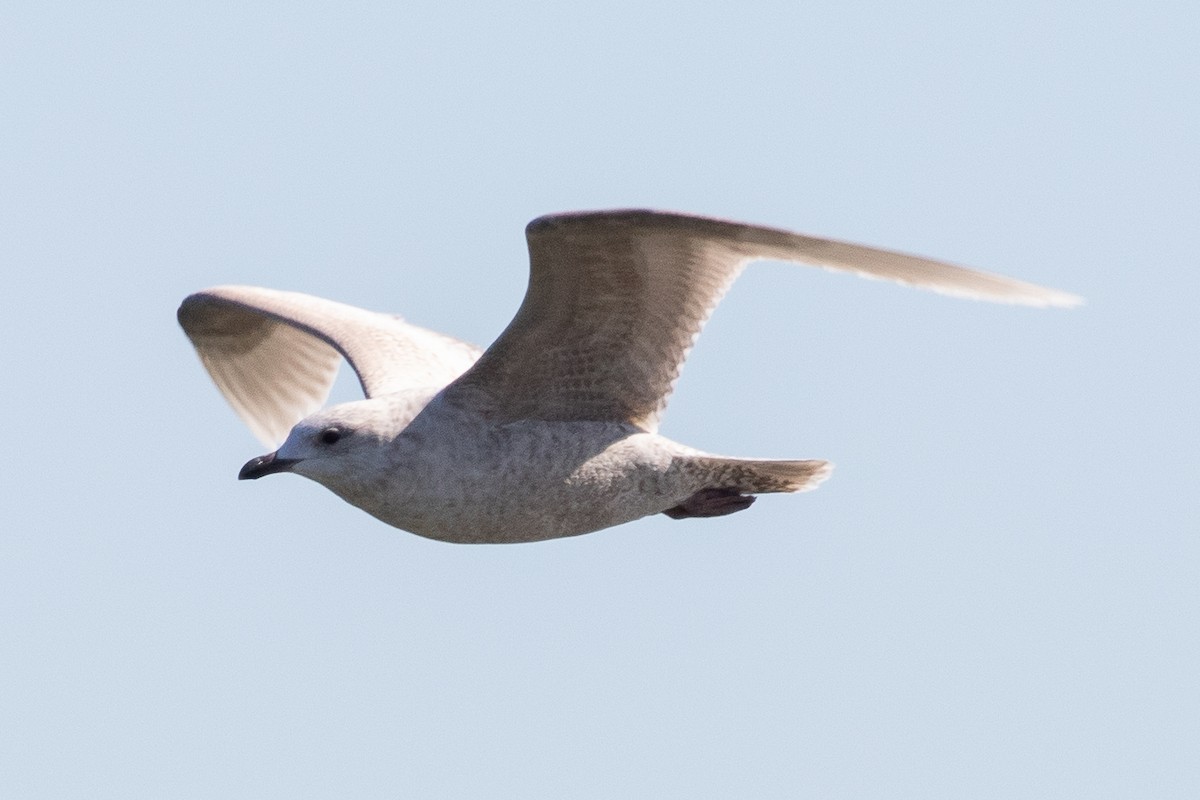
339,445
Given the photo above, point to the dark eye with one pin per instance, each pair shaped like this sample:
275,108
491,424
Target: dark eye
330,436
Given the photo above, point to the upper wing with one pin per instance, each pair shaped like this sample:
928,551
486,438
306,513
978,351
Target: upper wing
274,355
617,298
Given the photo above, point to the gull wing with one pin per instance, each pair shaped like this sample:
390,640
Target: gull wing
274,355
616,300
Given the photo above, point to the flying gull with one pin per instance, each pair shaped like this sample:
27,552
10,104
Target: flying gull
553,430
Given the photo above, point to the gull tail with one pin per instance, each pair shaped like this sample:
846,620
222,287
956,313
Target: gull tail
756,476
729,484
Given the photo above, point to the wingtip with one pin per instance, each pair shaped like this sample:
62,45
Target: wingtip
196,302
1068,300
188,309
1048,298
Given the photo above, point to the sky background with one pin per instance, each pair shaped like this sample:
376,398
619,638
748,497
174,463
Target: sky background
995,595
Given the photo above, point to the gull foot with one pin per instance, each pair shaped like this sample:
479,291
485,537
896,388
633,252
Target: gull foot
711,503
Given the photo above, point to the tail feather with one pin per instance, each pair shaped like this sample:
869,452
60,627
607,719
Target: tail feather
756,476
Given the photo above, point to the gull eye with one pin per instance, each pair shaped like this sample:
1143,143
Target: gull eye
329,436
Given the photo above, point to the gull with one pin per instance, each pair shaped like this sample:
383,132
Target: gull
553,430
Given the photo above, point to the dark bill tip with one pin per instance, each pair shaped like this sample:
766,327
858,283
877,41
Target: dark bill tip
255,468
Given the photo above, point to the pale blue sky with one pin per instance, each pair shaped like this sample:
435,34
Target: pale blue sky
995,596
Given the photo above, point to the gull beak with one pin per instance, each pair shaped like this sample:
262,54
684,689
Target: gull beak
255,468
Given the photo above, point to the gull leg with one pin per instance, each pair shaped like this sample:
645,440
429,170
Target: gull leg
711,503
